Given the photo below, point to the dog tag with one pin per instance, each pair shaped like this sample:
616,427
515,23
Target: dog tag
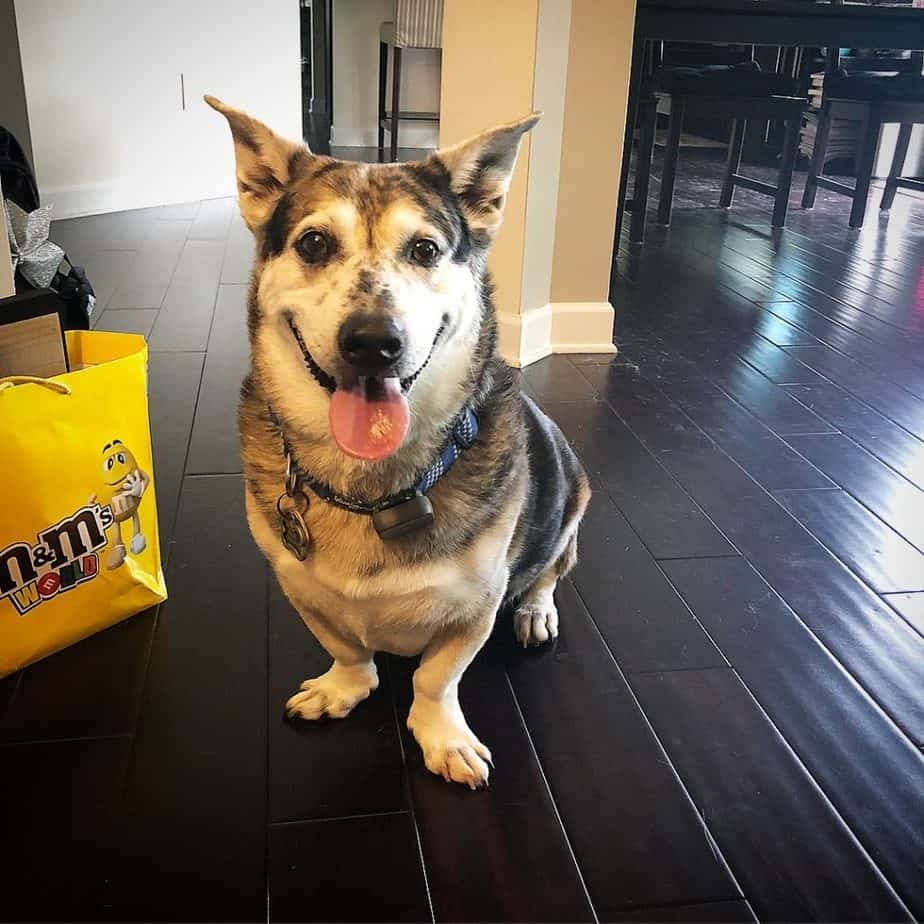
295,535
402,519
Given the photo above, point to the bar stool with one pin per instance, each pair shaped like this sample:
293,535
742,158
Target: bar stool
873,101
738,92
415,24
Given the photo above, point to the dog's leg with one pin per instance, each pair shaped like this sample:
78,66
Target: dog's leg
348,681
535,620
450,748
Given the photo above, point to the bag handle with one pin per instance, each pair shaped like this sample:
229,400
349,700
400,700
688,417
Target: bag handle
11,380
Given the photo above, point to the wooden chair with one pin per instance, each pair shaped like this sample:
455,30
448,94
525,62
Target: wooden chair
873,101
416,24
738,93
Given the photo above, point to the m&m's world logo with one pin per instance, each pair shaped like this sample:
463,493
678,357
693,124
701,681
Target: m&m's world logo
64,556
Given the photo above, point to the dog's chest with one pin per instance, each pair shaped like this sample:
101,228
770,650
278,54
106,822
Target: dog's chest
382,603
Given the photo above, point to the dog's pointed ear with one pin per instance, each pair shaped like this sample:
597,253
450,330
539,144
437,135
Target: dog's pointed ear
480,170
264,163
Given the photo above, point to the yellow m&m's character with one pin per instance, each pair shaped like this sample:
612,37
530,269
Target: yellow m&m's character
123,486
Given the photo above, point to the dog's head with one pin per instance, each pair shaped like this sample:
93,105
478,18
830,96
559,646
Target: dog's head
368,283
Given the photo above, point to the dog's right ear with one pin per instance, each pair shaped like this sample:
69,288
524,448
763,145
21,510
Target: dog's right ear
263,163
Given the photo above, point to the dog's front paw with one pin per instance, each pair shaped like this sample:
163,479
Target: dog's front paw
335,693
536,623
449,746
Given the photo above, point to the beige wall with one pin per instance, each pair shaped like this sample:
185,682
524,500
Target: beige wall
552,41
489,55
570,59
595,118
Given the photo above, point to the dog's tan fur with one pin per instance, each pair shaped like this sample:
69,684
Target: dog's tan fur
436,592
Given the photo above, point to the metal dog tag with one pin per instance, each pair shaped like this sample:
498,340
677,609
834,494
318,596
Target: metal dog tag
402,519
295,535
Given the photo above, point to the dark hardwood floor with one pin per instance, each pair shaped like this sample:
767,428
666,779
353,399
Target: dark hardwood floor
729,727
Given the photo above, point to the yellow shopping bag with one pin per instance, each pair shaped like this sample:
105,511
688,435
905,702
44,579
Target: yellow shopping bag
79,548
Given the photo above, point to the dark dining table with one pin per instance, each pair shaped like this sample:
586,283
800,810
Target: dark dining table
762,22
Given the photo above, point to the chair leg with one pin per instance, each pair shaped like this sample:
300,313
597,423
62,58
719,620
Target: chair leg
866,156
649,118
671,155
784,180
383,80
817,166
395,100
735,145
898,164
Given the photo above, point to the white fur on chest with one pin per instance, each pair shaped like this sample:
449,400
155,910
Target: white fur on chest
397,610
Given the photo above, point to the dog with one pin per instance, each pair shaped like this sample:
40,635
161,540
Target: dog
399,484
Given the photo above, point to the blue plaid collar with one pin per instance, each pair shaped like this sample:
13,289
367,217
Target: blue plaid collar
461,437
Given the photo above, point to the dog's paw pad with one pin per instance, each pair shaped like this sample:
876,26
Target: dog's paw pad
534,624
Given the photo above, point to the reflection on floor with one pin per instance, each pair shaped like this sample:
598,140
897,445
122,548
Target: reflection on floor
730,724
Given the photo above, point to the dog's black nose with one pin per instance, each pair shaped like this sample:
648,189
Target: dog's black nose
371,343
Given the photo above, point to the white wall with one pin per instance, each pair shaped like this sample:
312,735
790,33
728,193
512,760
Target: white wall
356,78
102,82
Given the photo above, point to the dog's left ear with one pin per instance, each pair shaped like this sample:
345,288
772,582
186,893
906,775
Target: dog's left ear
480,170
263,163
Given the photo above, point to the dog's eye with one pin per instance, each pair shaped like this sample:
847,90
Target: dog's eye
425,252
314,247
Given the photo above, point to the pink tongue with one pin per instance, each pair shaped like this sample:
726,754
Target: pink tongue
369,420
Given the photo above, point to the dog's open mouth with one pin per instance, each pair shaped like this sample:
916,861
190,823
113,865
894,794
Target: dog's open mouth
369,415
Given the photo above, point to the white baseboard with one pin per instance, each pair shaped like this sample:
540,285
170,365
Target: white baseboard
558,327
410,135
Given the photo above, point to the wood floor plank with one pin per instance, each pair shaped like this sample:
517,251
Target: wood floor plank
648,413
871,772
128,321
91,689
876,391
776,364
893,499
769,403
620,801
333,768
212,220
58,826
639,614
499,854
872,430
792,854
871,549
239,253
713,913
179,210
665,518
554,379
148,277
8,687
314,869
186,314
215,446
173,387
911,606
767,458
879,649
192,838
827,319
107,270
